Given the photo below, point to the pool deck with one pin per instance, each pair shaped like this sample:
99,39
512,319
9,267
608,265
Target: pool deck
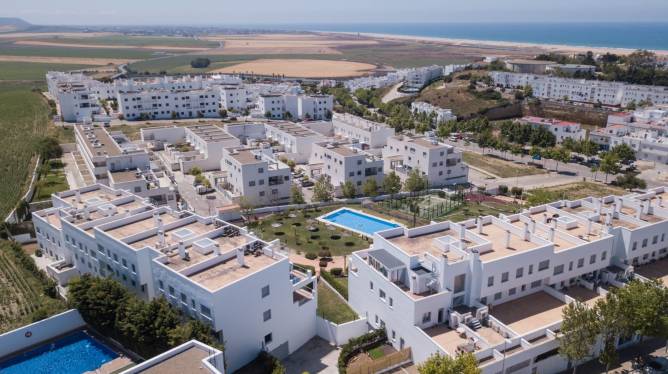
323,219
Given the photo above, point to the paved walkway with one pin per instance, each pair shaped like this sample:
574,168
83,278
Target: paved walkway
394,94
337,262
316,356
72,174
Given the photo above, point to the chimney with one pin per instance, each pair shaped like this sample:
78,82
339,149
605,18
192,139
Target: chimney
182,250
599,207
554,223
533,225
216,249
544,217
588,227
86,211
240,257
462,231
660,203
552,231
479,225
526,232
507,238
620,204
161,237
608,219
78,195
639,211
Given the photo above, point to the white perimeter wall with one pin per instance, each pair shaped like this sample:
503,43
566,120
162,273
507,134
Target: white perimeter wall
41,331
341,334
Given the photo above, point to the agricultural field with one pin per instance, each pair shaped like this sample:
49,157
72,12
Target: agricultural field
22,289
31,71
127,40
8,48
24,117
499,167
306,68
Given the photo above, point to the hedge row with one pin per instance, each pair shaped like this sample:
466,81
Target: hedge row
360,344
332,281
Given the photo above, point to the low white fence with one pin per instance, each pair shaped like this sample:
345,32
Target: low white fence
38,332
340,334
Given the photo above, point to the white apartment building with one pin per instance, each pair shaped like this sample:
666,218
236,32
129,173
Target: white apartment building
234,98
256,175
302,107
496,287
345,163
440,163
295,140
371,135
164,104
571,69
102,152
245,289
419,77
560,129
154,185
190,146
582,90
440,114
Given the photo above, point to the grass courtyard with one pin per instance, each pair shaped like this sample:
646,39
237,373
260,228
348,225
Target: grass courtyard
500,167
572,191
51,180
332,308
302,232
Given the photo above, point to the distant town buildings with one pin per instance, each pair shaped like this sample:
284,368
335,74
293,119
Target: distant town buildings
582,90
440,114
561,130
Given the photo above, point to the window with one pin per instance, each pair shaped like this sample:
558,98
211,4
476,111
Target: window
161,285
265,291
251,183
558,269
426,317
655,239
581,262
205,310
497,296
592,259
268,339
391,301
371,285
604,255
171,290
184,298
543,265
519,273
663,237
266,316
535,284
504,277
381,293
394,335
512,291
644,243
260,170
635,246
530,269
490,281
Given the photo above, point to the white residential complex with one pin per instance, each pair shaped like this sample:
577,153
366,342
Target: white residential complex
295,140
440,163
644,130
245,289
371,135
345,162
560,129
256,176
440,114
164,104
496,286
417,78
582,90
302,107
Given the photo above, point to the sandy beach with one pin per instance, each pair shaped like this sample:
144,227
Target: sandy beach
559,48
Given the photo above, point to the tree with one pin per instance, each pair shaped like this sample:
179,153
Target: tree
443,364
48,148
348,189
625,153
97,299
609,164
323,189
370,187
296,195
200,63
578,332
630,181
415,181
609,316
644,306
559,155
392,183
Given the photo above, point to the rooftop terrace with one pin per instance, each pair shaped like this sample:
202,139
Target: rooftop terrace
293,129
496,235
657,270
417,245
223,273
97,141
187,361
529,313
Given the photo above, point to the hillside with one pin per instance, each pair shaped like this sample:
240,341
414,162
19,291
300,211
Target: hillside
10,24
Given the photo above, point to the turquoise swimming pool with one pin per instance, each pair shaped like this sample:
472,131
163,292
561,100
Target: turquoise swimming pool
75,353
358,222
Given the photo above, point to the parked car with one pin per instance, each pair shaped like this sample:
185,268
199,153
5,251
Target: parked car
307,183
657,365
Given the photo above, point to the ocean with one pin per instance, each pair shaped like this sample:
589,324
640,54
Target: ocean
614,35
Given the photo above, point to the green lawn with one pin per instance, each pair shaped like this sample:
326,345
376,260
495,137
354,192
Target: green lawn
50,182
499,167
376,353
488,208
10,49
332,308
138,41
10,70
24,115
294,233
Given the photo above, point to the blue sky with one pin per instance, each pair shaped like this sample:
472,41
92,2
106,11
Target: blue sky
227,12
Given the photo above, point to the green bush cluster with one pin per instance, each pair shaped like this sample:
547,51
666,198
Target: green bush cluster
359,344
147,328
337,286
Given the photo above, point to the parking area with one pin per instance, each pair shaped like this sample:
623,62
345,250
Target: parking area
316,356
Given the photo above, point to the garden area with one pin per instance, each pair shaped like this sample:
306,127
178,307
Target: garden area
571,191
51,180
482,205
499,167
302,232
331,307
26,293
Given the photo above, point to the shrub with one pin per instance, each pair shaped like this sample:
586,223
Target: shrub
322,263
350,244
503,189
359,344
324,253
38,252
343,291
311,256
200,63
336,272
335,237
441,194
269,363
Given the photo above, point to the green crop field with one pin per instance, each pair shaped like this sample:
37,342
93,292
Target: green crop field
24,115
138,41
10,70
8,48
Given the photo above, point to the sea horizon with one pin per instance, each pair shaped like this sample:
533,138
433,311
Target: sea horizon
628,35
